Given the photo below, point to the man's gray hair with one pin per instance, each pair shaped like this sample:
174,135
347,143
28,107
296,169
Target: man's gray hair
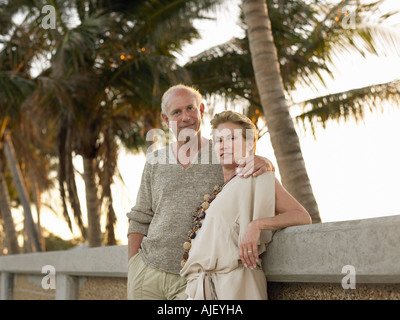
165,97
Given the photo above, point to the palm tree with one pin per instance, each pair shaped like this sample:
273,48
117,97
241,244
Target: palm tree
5,213
19,144
8,114
283,135
73,90
103,86
305,36
9,151
15,87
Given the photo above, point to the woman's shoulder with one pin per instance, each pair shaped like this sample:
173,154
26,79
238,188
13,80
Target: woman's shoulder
264,177
260,181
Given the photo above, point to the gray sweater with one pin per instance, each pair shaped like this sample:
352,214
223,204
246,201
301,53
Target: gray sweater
167,197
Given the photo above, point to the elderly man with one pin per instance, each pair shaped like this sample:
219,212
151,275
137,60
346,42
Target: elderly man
169,193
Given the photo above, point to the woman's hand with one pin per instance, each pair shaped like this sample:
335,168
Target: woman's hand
248,251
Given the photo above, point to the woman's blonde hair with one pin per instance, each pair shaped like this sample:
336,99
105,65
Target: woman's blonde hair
249,129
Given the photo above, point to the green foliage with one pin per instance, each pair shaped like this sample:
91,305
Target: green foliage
53,242
308,35
347,104
102,71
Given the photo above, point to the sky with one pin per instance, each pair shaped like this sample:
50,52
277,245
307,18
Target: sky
353,166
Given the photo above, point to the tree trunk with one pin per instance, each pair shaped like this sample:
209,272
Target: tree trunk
5,209
284,139
92,202
22,191
38,202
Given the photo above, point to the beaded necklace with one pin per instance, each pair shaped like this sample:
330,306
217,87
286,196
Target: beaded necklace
198,216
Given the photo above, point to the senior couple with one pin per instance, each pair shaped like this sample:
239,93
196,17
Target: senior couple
198,227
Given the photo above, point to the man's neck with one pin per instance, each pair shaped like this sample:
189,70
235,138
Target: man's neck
185,151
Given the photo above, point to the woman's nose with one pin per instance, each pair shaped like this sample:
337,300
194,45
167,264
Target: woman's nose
225,145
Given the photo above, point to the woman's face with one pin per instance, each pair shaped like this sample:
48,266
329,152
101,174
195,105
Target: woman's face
229,143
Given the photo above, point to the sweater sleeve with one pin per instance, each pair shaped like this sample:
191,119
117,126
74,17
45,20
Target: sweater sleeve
141,214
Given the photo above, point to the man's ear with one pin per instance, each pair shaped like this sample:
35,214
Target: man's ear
202,108
165,118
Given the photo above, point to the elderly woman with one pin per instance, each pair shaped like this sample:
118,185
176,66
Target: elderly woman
237,221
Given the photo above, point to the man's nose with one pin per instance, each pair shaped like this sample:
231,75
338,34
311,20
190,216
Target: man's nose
185,115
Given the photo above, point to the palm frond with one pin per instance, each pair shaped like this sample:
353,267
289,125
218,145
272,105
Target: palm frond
15,88
349,104
77,51
163,26
369,33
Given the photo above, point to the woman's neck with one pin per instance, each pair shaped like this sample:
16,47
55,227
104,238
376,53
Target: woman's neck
229,172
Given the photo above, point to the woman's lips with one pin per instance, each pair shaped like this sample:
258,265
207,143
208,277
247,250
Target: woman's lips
224,154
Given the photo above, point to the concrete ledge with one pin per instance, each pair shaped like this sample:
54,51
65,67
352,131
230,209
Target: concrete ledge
97,262
299,259
317,253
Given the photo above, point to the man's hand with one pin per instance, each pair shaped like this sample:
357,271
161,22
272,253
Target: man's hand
253,166
134,242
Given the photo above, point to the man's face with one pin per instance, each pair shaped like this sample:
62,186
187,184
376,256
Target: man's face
183,115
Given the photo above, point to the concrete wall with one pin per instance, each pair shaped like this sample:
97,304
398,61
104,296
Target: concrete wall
305,262
96,273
